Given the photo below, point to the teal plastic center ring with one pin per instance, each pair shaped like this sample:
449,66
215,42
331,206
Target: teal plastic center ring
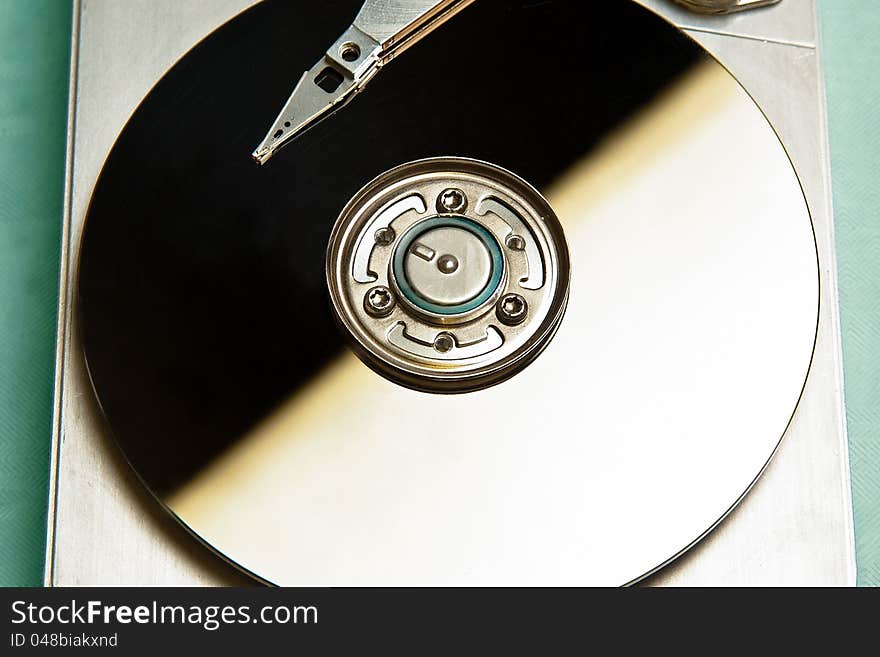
454,221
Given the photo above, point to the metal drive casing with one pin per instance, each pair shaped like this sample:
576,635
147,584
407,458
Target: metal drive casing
450,274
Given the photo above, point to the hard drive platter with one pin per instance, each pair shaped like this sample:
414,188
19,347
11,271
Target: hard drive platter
218,361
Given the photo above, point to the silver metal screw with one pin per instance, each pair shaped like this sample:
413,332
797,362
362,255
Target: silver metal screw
384,236
515,243
379,301
512,309
451,200
444,342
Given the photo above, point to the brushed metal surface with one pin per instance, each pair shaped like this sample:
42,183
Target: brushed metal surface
392,20
791,22
793,528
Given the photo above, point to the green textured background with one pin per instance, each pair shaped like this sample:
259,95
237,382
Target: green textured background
851,56
34,61
34,57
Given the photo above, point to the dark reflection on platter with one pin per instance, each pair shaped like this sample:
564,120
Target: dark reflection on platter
201,285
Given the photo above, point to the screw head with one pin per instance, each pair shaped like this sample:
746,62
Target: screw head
512,309
444,342
451,200
379,301
515,243
384,236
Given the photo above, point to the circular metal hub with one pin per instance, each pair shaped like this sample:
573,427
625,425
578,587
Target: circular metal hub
448,265
450,274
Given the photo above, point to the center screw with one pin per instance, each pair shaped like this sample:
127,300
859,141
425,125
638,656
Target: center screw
451,200
379,301
512,309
